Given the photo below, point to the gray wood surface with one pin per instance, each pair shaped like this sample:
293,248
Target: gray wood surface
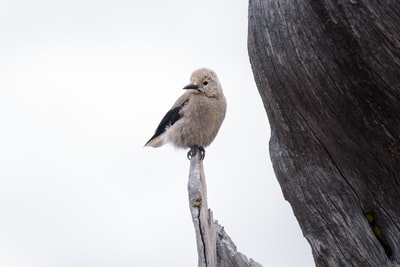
215,248
328,72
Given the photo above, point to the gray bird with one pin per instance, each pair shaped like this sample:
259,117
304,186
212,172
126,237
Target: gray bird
195,118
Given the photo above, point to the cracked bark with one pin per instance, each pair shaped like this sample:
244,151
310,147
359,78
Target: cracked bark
214,246
328,72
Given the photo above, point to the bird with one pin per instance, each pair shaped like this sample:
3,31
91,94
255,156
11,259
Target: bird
196,117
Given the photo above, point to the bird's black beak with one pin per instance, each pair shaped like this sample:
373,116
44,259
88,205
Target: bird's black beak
191,86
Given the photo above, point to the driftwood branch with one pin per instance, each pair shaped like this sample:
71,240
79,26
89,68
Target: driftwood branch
201,215
214,246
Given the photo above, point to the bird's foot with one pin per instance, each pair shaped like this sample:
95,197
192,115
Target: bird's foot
193,151
202,152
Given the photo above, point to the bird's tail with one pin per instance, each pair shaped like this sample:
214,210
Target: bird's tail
155,142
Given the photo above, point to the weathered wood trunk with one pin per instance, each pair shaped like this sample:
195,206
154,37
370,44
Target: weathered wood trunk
206,234
215,248
328,72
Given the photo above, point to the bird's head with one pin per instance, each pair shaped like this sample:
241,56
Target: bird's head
205,81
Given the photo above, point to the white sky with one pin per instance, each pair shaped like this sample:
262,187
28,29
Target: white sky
83,85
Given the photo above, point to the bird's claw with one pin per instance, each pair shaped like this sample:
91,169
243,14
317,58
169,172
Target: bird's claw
193,150
191,153
202,153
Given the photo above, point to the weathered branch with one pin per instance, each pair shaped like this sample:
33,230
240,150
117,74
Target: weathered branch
201,215
214,246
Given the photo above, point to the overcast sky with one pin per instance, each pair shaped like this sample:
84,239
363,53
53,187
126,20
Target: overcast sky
83,85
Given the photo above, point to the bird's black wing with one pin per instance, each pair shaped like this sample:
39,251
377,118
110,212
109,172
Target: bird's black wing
169,119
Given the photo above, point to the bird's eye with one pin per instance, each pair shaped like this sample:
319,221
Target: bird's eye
205,83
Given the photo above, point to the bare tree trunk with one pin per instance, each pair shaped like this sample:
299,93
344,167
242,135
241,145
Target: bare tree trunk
214,246
328,72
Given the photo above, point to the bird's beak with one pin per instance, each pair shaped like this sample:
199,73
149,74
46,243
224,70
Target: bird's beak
191,86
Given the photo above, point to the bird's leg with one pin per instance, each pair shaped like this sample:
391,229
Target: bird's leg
193,150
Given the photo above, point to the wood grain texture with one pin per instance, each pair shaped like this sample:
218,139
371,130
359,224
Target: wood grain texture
328,72
215,248
201,216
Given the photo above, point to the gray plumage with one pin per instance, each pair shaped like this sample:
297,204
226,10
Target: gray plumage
195,118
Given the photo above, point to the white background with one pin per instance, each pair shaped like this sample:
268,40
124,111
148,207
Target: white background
83,85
